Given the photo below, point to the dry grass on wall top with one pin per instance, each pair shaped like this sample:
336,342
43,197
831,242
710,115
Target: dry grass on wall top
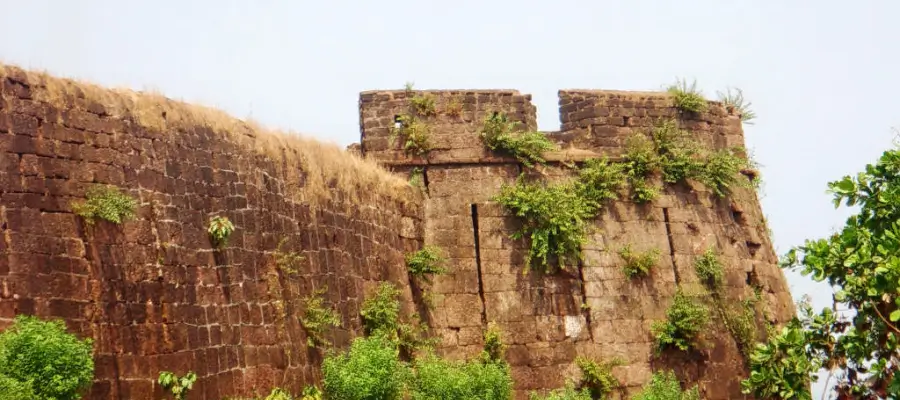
326,165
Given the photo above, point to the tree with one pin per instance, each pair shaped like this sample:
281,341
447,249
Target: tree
862,263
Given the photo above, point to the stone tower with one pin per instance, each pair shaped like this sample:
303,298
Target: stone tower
596,312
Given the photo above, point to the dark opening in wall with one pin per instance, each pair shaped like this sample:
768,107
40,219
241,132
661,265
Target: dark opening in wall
478,263
398,122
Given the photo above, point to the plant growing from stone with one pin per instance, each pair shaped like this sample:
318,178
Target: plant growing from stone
317,318
287,261
423,104
709,269
380,314
734,100
568,392
178,386
426,262
500,134
686,318
454,107
687,97
665,386
220,228
311,393
494,349
596,377
416,135
279,394
107,203
41,355
638,263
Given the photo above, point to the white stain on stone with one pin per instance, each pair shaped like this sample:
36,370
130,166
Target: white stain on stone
574,326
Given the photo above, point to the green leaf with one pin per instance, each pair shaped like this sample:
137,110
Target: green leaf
895,315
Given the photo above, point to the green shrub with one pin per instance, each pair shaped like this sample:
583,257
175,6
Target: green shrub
709,269
494,349
312,393
423,104
279,394
569,392
426,261
687,97
679,156
11,389
721,171
735,100
685,319
220,228
555,219
741,322
107,203
317,318
500,134
638,263
287,261
370,370
597,378
600,181
416,135
381,311
665,386
438,379
640,162
57,364
178,386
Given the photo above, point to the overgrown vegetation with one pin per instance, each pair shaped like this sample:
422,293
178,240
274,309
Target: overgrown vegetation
638,263
178,386
665,386
41,356
685,319
734,100
494,349
438,379
220,228
381,317
426,262
741,322
370,370
709,269
687,97
287,261
861,261
412,127
416,177
454,107
107,203
596,377
317,318
569,392
502,135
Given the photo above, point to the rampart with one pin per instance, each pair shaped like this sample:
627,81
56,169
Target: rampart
155,295
595,312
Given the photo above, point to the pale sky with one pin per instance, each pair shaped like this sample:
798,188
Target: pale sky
822,75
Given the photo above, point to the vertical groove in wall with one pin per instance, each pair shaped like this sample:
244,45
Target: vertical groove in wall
671,246
425,179
584,300
478,264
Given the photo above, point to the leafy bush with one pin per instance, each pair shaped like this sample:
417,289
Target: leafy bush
416,135
426,261
220,228
423,104
638,263
438,379
597,378
600,181
784,366
11,389
569,392
317,318
665,386
721,170
370,370
685,319
381,312
288,262
279,394
735,100
178,386
107,203
741,322
494,349
55,363
500,134
709,269
687,97
311,393
554,219
454,107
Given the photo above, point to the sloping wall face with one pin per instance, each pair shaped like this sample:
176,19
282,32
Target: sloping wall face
594,310
153,293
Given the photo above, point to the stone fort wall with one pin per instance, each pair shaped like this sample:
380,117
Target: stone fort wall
596,311
154,295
